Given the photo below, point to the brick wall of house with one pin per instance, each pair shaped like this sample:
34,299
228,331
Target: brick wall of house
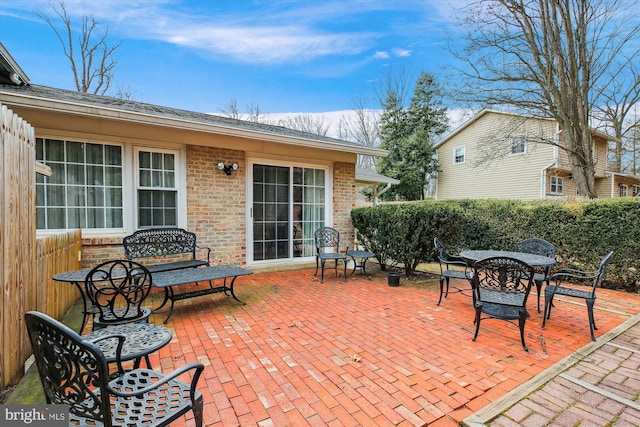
344,199
216,205
216,208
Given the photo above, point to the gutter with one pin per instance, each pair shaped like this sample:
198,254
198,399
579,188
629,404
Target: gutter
176,123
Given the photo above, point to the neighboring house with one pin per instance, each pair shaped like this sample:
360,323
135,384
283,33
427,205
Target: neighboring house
119,166
371,178
504,156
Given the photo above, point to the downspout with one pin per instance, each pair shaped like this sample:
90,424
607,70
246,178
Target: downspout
384,190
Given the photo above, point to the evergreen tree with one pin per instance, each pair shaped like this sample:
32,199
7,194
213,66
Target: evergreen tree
409,133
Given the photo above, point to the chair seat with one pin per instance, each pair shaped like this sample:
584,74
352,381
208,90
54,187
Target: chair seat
569,292
504,298
332,255
457,274
168,401
121,317
501,311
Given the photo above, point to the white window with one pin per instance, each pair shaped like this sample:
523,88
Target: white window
624,190
518,144
85,188
556,184
458,155
156,188
99,187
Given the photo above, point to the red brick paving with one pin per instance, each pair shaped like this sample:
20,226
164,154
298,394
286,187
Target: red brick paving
361,353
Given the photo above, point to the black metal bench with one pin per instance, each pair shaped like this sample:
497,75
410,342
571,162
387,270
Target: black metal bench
165,242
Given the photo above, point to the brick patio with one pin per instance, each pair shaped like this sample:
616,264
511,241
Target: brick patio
362,353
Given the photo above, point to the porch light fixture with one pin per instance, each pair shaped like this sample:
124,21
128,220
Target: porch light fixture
228,168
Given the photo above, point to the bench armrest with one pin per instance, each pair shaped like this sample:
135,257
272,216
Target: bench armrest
207,251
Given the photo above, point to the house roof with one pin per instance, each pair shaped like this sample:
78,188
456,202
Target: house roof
16,90
85,104
370,177
487,111
10,71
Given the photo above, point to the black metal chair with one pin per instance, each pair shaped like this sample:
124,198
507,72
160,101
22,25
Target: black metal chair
447,261
327,242
538,247
118,289
74,373
501,286
563,289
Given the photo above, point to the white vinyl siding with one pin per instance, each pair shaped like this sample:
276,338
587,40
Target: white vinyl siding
510,177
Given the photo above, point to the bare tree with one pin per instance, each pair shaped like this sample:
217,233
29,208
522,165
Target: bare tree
548,58
306,123
231,110
620,100
361,127
92,63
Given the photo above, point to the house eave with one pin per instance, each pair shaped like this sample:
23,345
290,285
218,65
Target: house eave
102,112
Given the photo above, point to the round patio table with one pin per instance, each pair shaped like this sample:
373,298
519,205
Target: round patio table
531,259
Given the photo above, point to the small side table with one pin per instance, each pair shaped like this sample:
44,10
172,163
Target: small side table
360,261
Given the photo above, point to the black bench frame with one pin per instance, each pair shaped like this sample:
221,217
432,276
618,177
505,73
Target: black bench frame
156,242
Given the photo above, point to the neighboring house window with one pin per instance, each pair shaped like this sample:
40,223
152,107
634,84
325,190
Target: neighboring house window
556,184
624,190
518,144
636,190
157,191
458,155
84,189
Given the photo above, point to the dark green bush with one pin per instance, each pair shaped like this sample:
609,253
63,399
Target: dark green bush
402,234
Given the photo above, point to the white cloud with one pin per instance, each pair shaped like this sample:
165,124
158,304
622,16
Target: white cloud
381,55
401,52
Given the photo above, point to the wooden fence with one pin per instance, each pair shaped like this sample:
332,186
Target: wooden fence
26,266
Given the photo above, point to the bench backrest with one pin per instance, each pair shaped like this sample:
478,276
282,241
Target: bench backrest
158,242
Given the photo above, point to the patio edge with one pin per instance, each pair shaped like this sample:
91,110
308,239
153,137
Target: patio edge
489,412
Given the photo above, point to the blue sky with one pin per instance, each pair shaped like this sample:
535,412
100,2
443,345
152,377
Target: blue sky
284,56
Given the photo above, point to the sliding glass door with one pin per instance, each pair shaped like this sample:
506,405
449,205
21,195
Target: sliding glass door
289,204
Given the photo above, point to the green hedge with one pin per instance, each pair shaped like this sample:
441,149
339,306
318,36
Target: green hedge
402,234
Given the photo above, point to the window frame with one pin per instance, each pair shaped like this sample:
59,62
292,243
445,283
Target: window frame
137,186
291,164
129,178
463,148
623,190
522,143
559,182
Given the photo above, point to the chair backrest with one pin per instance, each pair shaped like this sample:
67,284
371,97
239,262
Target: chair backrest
600,272
327,239
508,277
536,246
118,288
443,256
71,369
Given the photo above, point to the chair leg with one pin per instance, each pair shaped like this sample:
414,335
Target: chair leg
345,269
441,289
539,288
197,413
477,322
521,323
322,262
447,291
548,302
592,322
316,273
